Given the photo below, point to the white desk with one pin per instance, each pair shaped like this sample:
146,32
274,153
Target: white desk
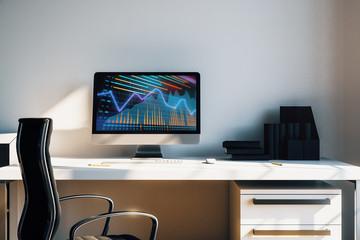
78,169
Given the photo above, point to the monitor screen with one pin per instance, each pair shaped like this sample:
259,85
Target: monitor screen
146,103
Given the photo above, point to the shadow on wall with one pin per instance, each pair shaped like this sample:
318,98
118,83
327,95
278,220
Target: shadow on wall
71,135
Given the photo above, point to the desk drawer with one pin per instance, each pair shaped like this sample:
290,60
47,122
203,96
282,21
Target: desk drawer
290,232
290,209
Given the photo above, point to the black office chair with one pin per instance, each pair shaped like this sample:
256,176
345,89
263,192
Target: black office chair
41,214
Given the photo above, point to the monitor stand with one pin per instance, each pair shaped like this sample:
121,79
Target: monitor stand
148,152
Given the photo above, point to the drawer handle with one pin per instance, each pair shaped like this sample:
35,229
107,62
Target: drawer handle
291,232
325,201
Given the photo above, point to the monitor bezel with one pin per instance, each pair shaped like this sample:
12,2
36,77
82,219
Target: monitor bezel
100,75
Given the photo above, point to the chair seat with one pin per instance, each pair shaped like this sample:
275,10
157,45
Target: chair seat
110,237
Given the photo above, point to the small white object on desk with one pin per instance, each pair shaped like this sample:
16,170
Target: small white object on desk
210,160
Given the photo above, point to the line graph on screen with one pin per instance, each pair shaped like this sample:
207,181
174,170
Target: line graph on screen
146,103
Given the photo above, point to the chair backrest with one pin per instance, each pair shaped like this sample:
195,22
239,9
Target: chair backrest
41,214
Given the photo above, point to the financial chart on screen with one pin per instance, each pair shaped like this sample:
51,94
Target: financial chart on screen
146,102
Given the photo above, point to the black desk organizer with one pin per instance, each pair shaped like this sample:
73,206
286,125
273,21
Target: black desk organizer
295,137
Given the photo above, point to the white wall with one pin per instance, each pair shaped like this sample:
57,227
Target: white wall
253,56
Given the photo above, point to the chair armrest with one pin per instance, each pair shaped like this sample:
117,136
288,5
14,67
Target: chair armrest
79,224
109,200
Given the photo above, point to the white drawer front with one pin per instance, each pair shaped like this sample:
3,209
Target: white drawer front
289,232
291,213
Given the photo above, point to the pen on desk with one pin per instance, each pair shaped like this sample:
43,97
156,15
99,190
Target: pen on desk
279,164
99,165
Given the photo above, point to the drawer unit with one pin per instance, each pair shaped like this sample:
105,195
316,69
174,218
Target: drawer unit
309,210
290,209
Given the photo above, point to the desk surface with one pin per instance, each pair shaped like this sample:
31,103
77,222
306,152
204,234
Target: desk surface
191,169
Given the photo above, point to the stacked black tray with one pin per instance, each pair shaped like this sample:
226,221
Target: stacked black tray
245,150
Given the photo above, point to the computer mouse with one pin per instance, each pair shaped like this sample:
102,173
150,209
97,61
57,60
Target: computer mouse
210,160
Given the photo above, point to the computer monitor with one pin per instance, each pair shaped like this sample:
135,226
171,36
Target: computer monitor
147,109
